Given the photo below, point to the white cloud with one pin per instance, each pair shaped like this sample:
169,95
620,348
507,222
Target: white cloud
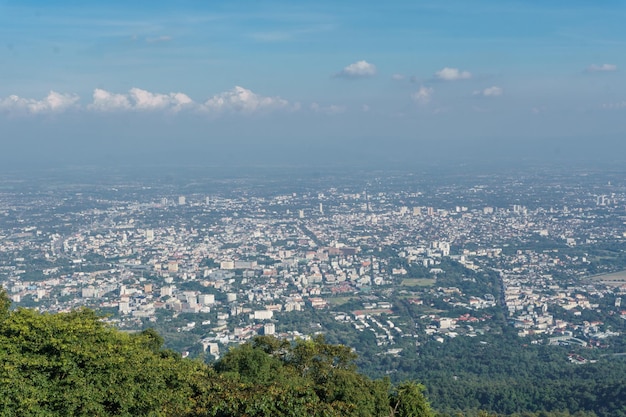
493,91
423,95
53,102
138,99
359,69
106,101
145,100
56,102
452,74
602,68
398,77
332,109
240,99
614,106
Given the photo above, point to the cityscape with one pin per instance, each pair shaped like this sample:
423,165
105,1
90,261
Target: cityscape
401,260
337,209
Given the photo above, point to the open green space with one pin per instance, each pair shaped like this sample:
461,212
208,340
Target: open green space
337,301
418,282
614,278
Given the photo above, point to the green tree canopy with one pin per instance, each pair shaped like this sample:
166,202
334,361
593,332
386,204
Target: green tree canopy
73,364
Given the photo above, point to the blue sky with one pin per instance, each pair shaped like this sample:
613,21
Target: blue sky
83,77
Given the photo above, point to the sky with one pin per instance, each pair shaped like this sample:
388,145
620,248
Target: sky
312,83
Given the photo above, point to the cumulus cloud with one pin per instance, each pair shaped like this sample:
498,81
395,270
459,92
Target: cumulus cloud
145,100
240,99
138,99
423,95
493,91
54,102
106,101
602,68
452,74
359,69
332,109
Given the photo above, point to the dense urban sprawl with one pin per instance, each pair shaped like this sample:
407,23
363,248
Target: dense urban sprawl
240,254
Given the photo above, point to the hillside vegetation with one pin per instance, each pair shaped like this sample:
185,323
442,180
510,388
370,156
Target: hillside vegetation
72,364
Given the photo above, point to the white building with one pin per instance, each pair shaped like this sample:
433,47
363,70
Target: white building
206,299
269,329
263,314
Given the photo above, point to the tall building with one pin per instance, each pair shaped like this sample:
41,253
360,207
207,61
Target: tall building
206,299
269,329
181,200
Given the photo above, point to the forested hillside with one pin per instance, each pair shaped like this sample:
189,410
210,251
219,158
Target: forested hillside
73,364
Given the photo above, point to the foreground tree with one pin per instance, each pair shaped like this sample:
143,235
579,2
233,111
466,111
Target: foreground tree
309,368
73,364
5,304
408,400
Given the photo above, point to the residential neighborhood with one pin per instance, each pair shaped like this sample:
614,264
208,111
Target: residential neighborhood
241,259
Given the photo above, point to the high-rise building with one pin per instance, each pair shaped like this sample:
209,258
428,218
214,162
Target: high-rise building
269,329
206,299
181,200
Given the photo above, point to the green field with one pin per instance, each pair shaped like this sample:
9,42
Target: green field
615,278
418,282
337,301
